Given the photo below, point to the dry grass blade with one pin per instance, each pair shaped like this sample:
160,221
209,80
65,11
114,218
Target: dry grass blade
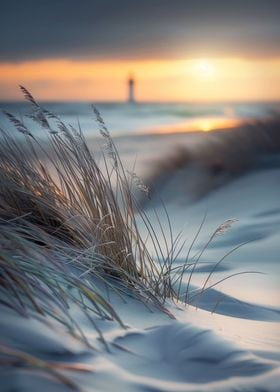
28,96
18,358
65,224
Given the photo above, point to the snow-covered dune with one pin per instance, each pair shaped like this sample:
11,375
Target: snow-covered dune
226,338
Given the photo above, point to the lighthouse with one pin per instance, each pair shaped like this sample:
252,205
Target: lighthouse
131,84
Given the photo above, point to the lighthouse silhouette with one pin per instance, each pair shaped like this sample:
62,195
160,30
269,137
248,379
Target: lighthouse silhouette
131,86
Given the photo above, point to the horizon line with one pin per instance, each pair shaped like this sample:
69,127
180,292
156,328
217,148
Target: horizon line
141,102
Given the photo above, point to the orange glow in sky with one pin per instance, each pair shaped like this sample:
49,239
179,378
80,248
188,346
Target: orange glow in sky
221,79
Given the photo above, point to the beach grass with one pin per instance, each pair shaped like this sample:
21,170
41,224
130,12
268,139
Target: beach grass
57,204
67,227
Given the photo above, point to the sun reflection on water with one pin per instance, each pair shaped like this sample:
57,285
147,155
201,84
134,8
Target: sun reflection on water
199,124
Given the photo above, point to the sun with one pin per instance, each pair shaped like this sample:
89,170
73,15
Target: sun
204,69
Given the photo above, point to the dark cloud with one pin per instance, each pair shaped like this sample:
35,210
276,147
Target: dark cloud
103,29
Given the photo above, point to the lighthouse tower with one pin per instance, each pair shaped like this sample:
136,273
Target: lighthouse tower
131,84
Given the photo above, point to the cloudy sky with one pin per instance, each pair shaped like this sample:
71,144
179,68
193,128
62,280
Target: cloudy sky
177,49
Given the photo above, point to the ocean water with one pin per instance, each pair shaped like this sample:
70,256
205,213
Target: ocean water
158,140
129,119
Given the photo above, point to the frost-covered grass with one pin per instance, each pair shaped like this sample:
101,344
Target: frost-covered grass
67,227
66,222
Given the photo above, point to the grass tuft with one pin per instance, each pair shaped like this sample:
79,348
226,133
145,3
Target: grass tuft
66,225
56,204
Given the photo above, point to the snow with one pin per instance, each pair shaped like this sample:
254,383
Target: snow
228,339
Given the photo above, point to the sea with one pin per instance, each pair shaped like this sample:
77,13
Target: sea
130,119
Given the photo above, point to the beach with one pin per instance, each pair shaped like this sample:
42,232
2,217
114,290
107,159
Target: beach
213,201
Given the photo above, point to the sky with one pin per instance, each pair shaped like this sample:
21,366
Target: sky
177,50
